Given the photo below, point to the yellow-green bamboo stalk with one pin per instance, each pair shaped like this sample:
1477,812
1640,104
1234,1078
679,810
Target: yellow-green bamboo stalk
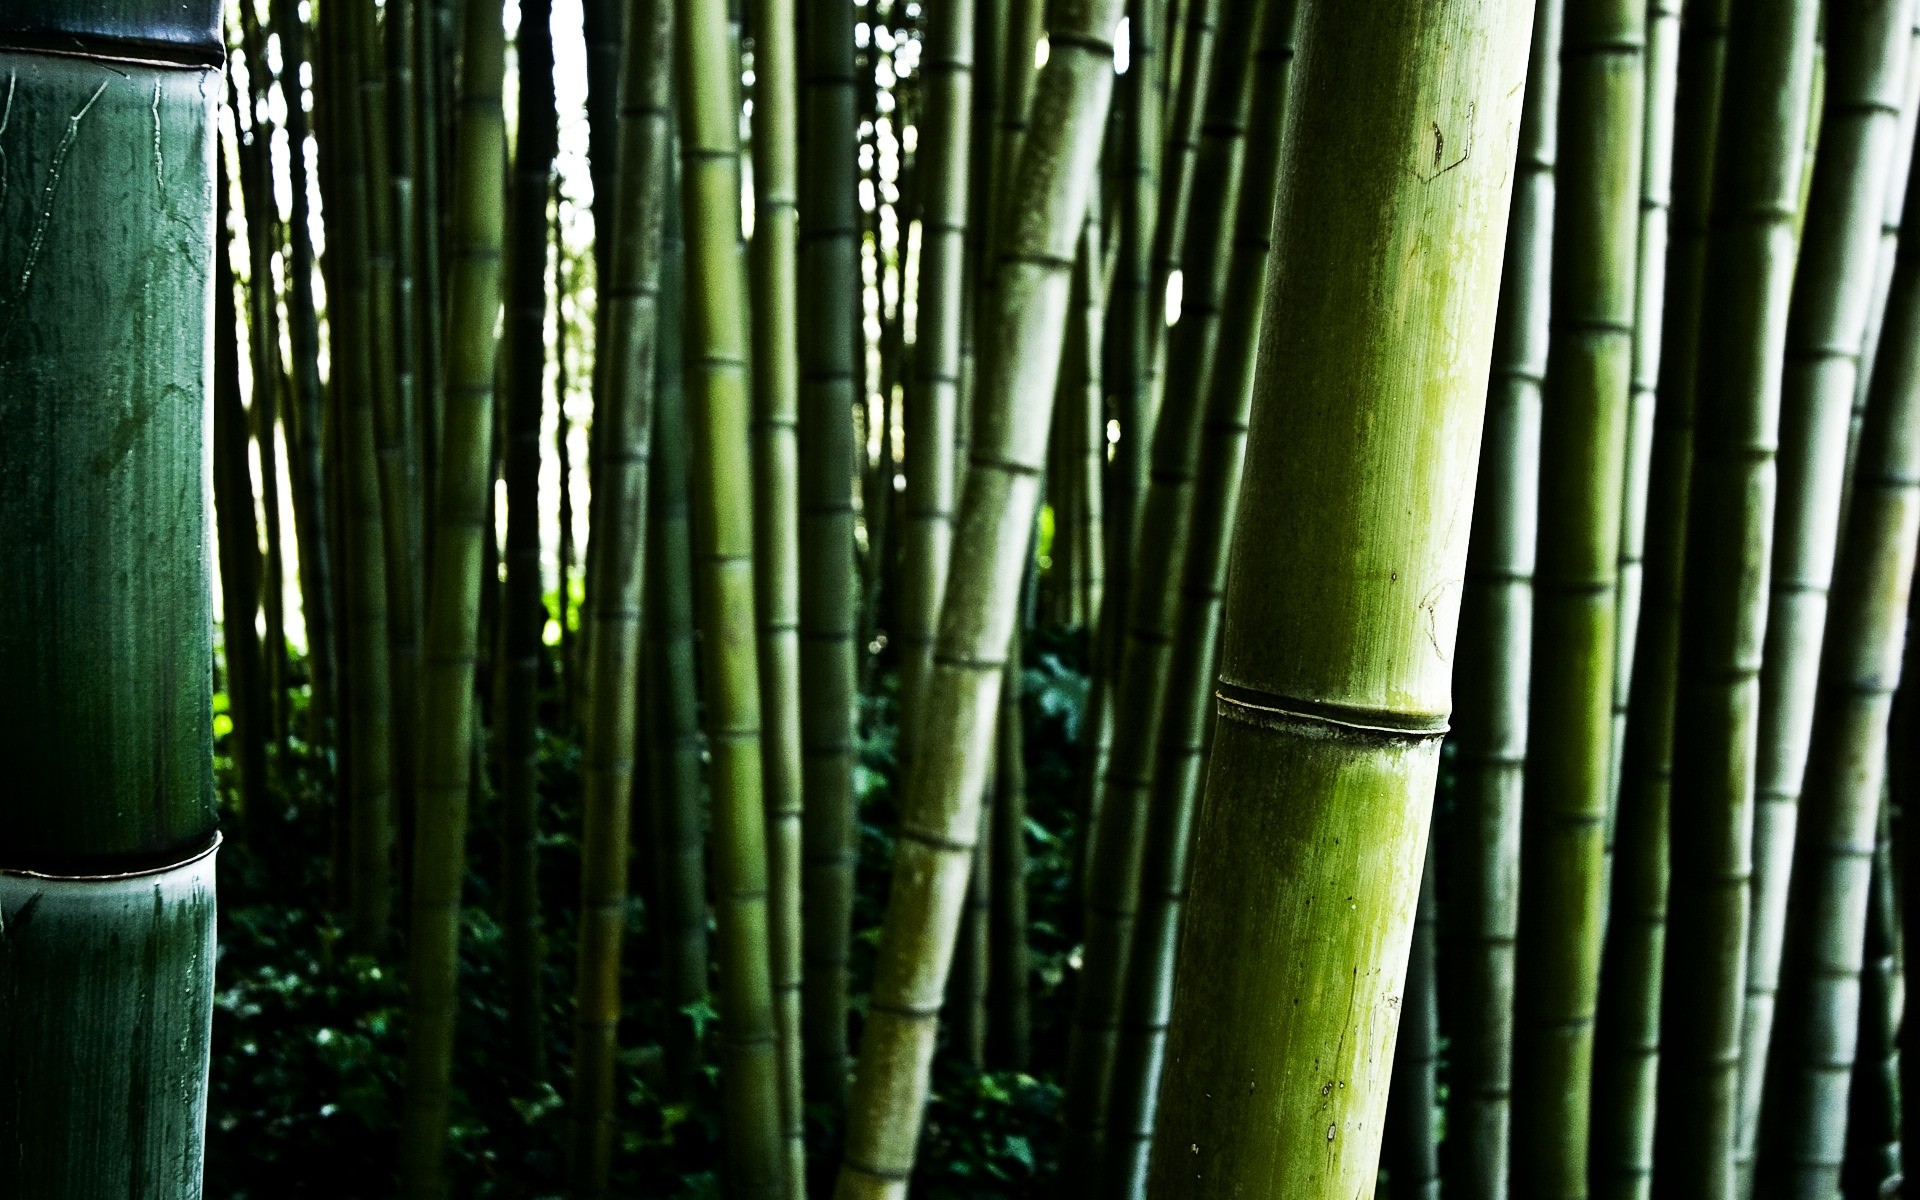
716,319
1570,688
1805,1115
1179,767
1340,616
952,754
623,424
1749,261
1867,44
452,628
1496,646
1627,1028
108,239
774,264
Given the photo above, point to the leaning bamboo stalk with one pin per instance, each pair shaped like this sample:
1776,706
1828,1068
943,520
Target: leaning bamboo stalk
1570,686
1867,45
1193,55
1496,645
1729,522
941,806
108,240
1627,1028
1412,1135
774,265
1874,1100
623,421
452,627
1805,1115
1009,991
1340,618
716,318
1179,765
1119,845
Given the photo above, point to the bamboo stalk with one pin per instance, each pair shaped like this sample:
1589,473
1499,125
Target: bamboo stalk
1809,1068
623,420
829,626
940,809
107,251
1570,688
1009,996
1381,298
716,319
452,627
1867,47
1874,1152
1627,1028
1496,646
1750,254
776,386
1411,1147
1179,766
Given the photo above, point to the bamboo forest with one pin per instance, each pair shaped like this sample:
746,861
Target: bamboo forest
958,599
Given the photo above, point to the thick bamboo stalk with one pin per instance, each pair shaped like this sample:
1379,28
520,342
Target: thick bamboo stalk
933,401
1179,766
1570,687
107,245
829,626
716,316
461,514
1750,255
675,746
1496,647
774,264
523,612
1340,618
940,809
1113,879
1805,1113
623,421
1627,1028
1867,44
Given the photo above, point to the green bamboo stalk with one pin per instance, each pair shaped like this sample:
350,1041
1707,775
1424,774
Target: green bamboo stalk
1193,56
452,629
829,626
675,746
774,264
406,343
968,981
1902,162
715,345
1867,45
1873,1165
1750,257
392,398
1113,879
108,240
1656,204
1570,688
1805,1115
430,108
1009,997
240,558
933,401
623,419
1381,300
940,814
1411,1150
523,614
1627,1028
305,431
601,29
1179,767
1496,647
